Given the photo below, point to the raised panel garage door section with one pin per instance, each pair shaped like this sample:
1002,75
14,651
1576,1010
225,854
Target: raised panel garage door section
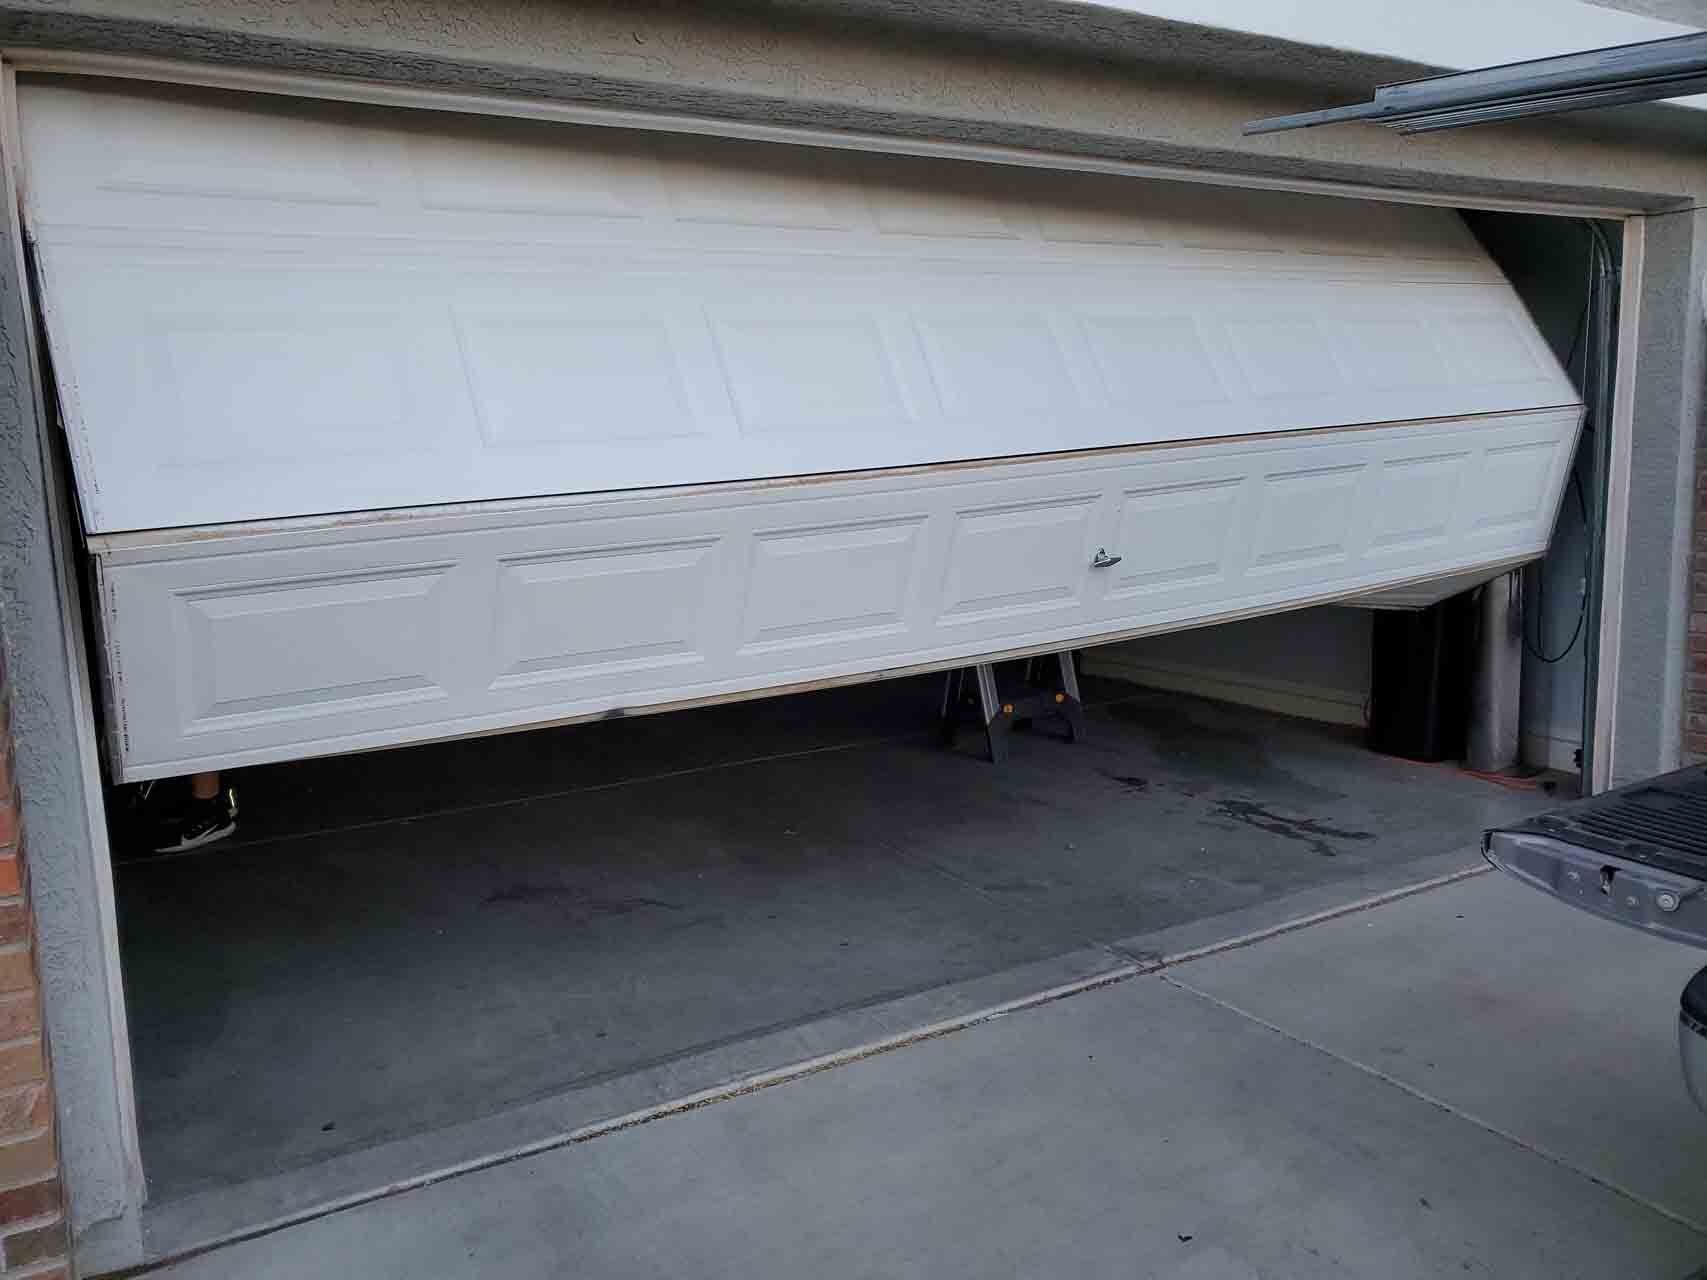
479,423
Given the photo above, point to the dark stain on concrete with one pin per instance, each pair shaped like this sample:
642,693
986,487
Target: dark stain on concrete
1131,780
1306,831
527,894
1198,746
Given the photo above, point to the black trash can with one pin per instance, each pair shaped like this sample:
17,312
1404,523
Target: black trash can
1419,697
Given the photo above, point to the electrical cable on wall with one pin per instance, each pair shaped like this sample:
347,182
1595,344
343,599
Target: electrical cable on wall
1537,647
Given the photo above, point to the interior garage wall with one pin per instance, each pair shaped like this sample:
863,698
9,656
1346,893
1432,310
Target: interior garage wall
1547,261
1312,663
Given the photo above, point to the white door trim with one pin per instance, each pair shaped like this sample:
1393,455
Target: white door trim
63,534
1617,523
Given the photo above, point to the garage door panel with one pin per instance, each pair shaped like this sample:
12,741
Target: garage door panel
1387,349
328,380
576,615
288,642
276,650
1415,501
1488,346
514,308
621,419
190,151
803,368
995,363
1513,486
1177,536
495,167
1308,517
263,378
1017,559
833,583
561,376
1143,359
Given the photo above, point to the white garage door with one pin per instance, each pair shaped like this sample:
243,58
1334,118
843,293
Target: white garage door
265,308
629,420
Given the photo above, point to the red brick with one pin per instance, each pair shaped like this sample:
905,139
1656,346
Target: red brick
14,923
8,818
20,1015
24,1062
17,969
11,876
37,1244
32,1200
25,1110
27,1160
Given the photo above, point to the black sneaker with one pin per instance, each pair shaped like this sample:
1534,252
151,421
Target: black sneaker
201,822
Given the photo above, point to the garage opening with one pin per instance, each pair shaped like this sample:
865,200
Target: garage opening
416,456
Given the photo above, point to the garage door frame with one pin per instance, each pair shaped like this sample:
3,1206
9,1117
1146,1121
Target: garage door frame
95,950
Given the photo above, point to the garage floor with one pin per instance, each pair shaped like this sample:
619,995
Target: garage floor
1471,1081
401,941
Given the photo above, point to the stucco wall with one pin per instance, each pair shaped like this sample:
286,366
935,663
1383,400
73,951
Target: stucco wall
1667,384
1036,75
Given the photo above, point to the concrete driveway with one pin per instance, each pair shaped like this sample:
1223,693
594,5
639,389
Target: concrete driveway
1466,1081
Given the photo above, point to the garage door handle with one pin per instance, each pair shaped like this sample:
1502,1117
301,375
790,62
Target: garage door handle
1102,560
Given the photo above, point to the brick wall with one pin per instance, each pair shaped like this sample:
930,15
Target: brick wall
1695,680
32,1202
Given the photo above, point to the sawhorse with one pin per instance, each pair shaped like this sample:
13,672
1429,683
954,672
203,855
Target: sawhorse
998,712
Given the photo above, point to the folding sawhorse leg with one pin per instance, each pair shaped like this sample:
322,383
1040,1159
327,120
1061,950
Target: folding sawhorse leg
997,716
